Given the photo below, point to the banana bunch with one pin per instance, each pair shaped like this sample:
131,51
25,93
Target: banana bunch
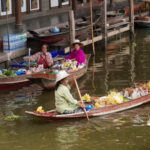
86,98
40,109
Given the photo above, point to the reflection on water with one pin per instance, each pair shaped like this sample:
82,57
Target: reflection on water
119,67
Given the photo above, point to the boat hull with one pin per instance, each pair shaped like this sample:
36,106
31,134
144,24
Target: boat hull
55,38
52,115
13,83
142,24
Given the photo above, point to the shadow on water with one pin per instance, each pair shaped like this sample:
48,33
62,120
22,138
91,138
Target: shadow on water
118,67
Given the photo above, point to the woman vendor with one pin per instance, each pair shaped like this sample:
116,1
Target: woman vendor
77,53
43,57
64,101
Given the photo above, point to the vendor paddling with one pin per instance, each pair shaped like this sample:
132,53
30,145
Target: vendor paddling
64,101
43,57
77,53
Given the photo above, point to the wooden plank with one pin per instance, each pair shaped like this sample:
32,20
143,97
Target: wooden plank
99,38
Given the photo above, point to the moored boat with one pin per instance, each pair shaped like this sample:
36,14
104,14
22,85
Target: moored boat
143,21
10,83
12,79
46,36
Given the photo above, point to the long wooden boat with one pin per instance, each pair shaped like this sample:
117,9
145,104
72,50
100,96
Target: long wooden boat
53,115
12,83
143,22
51,38
48,78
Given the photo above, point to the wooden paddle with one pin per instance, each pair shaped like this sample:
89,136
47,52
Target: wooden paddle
80,97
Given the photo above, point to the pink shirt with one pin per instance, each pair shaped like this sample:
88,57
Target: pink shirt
78,55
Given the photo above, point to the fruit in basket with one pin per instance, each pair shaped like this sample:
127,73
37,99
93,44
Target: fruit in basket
40,109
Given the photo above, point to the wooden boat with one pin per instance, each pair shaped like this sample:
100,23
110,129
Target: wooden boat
48,78
12,83
53,115
51,38
142,21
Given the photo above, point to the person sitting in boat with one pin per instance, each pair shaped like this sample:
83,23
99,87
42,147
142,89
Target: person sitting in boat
77,53
43,57
64,101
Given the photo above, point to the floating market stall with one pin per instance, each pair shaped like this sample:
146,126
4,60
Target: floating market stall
98,106
47,78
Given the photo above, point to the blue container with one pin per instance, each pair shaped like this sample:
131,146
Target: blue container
88,107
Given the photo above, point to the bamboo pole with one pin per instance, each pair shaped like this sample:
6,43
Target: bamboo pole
81,98
91,14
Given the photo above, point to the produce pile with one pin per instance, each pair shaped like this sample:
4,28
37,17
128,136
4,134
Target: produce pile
112,98
7,73
18,72
68,65
115,97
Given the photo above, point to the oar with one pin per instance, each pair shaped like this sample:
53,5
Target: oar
80,97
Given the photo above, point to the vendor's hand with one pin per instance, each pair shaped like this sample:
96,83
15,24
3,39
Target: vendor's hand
81,104
26,58
50,64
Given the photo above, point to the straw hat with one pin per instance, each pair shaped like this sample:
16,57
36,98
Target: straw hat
61,75
77,41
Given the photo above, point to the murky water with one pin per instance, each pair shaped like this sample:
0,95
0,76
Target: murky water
122,66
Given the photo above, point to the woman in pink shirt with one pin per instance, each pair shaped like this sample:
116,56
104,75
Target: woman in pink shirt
77,53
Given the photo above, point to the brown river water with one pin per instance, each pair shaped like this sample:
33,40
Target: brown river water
121,66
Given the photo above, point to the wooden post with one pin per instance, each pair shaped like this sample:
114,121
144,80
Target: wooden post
72,26
111,3
104,22
74,6
131,19
149,8
91,13
18,16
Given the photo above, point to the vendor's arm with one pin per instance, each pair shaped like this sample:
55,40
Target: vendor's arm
70,56
33,57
